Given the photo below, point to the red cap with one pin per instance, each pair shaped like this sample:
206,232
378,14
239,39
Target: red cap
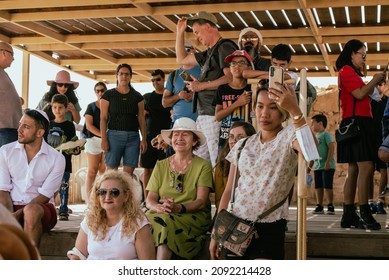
238,53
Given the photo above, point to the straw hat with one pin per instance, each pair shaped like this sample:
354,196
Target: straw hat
63,77
183,124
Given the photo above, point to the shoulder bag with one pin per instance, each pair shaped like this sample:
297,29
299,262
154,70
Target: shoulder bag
348,130
233,233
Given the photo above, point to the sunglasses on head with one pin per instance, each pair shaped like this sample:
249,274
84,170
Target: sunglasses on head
62,85
114,193
156,80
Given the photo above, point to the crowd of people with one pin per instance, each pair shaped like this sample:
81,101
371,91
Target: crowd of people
208,115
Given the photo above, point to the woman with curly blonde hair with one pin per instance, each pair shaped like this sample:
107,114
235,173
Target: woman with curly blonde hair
115,226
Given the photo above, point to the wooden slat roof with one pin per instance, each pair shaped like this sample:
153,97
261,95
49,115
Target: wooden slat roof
93,39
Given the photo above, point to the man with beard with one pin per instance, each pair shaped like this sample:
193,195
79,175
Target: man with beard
30,173
251,40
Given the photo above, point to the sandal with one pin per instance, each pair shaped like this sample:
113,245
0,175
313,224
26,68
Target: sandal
63,217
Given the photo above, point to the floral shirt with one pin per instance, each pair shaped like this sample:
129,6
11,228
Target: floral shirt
267,173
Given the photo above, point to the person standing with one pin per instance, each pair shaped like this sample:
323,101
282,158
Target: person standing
176,94
30,173
214,72
157,118
94,153
251,40
324,168
359,153
233,100
10,106
122,116
65,86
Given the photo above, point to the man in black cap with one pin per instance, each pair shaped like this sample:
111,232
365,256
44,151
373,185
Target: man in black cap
214,72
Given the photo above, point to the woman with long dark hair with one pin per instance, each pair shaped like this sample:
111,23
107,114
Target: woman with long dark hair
122,116
359,153
65,86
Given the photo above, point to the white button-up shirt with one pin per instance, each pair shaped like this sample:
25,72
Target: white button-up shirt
25,181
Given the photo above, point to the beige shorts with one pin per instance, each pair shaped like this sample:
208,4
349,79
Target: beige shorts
93,145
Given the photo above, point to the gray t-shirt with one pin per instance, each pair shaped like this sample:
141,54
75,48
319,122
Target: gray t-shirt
10,105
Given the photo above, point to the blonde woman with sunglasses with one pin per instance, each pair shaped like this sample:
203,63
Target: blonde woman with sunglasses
114,228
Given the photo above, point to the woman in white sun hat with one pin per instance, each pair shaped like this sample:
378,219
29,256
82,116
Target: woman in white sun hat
65,86
178,199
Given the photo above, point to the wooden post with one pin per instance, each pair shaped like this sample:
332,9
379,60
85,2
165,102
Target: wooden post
302,192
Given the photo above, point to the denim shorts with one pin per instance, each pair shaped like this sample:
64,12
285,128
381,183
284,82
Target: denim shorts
122,144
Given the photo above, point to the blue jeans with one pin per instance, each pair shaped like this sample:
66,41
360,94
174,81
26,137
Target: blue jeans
8,135
64,193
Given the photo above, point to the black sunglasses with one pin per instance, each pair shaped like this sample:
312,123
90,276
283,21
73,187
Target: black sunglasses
63,85
180,183
114,193
100,90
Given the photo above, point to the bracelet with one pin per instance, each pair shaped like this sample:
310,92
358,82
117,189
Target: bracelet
183,209
298,118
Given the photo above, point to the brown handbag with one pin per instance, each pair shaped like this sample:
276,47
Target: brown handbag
233,233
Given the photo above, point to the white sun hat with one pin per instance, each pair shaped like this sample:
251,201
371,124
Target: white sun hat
183,124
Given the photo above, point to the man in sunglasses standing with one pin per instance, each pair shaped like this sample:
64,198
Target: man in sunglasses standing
157,118
30,173
10,106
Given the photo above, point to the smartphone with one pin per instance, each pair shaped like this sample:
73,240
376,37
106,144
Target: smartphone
276,74
185,76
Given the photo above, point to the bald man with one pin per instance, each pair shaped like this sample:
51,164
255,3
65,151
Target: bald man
10,105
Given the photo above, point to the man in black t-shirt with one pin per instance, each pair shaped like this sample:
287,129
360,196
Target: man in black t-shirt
157,118
214,72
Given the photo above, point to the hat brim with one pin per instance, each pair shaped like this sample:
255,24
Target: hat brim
75,84
166,135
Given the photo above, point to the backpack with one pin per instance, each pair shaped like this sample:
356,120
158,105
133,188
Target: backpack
311,94
84,131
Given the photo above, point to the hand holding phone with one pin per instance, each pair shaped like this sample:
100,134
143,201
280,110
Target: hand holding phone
276,75
186,77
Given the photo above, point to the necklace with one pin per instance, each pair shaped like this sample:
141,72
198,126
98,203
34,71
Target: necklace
113,230
174,165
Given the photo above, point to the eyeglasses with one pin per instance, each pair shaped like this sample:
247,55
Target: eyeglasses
254,39
11,53
238,63
363,55
156,80
62,85
113,193
236,138
180,182
100,90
